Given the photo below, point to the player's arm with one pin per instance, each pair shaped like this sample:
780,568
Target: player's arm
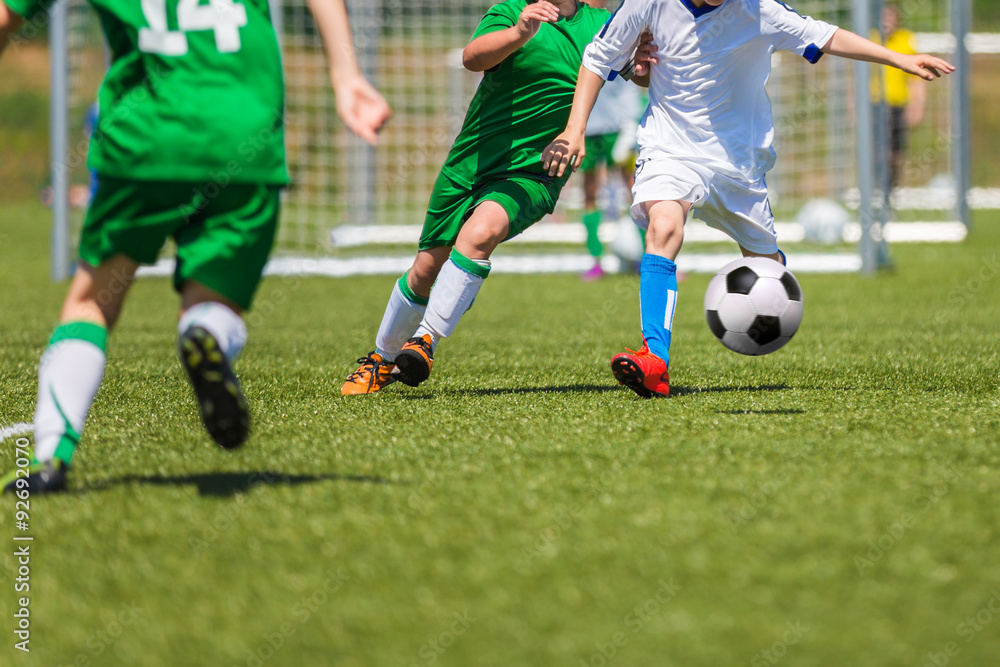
569,148
645,58
917,89
917,105
362,108
489,50
847,44
9,24
603,59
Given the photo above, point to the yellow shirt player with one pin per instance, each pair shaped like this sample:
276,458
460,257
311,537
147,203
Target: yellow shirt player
905,95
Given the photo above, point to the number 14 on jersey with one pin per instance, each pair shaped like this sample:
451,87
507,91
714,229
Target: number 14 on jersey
224,17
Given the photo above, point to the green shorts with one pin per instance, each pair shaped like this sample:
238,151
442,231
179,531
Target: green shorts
527,199
223,234
599,151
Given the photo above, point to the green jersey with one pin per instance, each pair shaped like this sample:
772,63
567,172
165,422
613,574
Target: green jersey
523,103
194,92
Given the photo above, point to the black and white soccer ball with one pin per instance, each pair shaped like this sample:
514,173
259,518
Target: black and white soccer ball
753,305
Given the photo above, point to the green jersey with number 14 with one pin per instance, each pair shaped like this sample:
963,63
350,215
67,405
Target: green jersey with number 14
194,92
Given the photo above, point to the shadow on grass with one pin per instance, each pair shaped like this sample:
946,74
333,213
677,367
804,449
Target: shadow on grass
228,484
563,389
687,391
762,412
588,389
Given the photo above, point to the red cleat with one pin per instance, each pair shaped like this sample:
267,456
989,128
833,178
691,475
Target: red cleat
643,372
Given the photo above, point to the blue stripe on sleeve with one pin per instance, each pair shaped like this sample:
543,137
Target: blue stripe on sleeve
608,23
787,7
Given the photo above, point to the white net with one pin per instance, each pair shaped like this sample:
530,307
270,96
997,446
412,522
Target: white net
411,51
816,134
88,59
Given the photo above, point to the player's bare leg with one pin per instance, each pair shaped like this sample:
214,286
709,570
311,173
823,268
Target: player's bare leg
72,368
425,269
776,256
456,288
406,307
592,223
97,294
211,335
486,228
665,234
645,371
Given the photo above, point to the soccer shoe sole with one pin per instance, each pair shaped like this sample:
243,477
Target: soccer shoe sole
223,407
45,478
630,374
413,369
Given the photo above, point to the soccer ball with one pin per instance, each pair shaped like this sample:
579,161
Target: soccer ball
753,305
823,221
627,245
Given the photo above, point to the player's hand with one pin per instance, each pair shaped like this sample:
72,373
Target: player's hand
925,66
645,55
534,15
566,150
362,108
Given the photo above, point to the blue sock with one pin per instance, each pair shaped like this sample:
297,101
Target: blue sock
657,300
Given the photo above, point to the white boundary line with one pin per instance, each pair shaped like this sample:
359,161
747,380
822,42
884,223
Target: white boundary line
15,430
943,42
333,267
353,236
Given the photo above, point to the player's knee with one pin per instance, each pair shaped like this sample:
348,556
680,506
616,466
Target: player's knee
484,232
662,233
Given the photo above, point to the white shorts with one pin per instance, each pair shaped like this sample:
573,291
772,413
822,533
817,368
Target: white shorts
737,207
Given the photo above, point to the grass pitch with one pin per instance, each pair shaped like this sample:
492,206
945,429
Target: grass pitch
831,504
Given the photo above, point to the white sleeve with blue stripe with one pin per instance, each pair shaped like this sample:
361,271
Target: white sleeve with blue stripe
790,31
614,45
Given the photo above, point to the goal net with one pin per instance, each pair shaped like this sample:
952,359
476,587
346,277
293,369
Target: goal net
348,199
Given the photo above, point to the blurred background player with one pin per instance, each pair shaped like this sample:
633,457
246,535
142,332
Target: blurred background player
188,146
706,137
904,96
610,147
79,196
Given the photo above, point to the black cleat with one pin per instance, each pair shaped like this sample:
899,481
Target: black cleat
47,477
414,361
223,407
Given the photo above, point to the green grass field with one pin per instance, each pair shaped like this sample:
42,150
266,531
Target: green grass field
831,504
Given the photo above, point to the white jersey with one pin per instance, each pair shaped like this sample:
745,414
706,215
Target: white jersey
707,97
618,106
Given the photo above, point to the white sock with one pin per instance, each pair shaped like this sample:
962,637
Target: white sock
225,325
69,375
402,317
456,288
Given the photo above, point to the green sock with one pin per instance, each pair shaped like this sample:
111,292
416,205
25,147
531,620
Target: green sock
592,220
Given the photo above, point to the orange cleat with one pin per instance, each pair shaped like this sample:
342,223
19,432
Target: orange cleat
415,360
374,375
643,372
